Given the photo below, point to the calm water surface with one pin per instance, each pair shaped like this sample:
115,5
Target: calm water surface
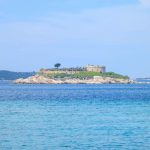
74,117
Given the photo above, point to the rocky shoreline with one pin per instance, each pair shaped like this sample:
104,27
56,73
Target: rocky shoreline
38,79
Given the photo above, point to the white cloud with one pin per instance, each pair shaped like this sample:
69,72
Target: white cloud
108,25
145,2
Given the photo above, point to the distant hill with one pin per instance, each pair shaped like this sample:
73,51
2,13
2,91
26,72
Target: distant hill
9,75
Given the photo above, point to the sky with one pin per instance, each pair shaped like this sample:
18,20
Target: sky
37,34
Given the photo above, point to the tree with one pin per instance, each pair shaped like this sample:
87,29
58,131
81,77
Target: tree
57,65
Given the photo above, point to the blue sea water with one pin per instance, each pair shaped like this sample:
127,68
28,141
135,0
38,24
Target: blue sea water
74,117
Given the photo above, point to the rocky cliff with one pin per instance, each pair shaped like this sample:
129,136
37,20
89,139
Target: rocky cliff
37,79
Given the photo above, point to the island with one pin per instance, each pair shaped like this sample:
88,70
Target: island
89,74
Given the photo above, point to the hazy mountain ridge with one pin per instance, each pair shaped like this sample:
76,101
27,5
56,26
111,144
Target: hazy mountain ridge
10,75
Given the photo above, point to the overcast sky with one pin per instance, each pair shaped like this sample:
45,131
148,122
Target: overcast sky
36,34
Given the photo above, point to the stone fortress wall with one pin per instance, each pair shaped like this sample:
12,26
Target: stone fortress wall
90,68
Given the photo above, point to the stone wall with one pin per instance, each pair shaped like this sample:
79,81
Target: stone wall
90,68
59,71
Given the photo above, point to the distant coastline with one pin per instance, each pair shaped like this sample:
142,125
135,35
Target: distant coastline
6,75
142,78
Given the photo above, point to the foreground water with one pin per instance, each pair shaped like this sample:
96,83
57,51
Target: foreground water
74,117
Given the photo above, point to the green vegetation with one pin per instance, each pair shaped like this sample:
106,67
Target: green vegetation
114,75
85,75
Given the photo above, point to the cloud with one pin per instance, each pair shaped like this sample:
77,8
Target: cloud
145,2
125,25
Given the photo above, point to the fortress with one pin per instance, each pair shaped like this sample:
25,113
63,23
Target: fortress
89,68
93,68
89,74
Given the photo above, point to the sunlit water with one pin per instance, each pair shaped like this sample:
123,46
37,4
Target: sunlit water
74,117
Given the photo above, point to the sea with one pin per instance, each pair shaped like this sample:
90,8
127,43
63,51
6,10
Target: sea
74,117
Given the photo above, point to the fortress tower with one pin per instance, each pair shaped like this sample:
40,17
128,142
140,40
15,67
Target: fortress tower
94,68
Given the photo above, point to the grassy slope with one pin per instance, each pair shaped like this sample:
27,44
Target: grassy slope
85,75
